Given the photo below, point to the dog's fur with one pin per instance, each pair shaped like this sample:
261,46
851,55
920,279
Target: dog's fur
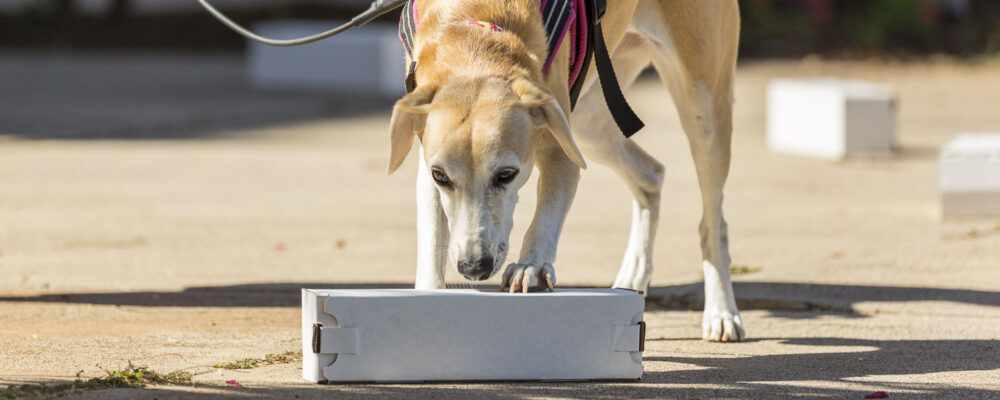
485,115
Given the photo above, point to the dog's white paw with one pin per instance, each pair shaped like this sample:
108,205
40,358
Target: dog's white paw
526,277
722,325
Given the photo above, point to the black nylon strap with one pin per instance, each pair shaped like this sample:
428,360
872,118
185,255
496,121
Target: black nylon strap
624,117
411,77
595,10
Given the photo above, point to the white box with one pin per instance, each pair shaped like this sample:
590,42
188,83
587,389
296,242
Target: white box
830,118
969,175
367,61
389,335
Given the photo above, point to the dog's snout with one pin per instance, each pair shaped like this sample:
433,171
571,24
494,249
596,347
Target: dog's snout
476,270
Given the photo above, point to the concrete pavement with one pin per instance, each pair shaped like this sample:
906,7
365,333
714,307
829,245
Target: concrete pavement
179,252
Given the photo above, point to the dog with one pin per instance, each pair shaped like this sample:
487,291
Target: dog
485,115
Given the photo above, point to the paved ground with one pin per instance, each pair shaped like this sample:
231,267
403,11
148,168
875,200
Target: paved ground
187,248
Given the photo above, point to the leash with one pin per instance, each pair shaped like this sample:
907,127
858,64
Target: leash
377,9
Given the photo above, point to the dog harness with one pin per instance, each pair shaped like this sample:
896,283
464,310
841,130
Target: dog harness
577,20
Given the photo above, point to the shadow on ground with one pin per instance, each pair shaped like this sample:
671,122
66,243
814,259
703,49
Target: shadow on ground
762,376
774,296
788,296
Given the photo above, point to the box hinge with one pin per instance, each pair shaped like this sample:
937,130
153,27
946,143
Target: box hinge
642,335
628,338
335,340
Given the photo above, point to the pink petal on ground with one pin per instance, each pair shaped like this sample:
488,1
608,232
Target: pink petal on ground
280,246
877,395
233,382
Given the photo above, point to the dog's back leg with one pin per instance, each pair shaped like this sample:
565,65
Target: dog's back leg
696,56
601,141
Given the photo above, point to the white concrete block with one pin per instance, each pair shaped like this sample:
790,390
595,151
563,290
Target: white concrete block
830,118
969,175
388,335
368,61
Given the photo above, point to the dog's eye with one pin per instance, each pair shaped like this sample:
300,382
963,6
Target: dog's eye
440,177
505,176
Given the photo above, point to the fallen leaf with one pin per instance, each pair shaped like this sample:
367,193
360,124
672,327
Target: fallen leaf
233,382
877,395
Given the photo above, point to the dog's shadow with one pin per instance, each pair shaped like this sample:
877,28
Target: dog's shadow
785,299
782,298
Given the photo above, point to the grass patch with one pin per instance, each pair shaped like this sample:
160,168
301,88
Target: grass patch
978,233
740,269
134,376
131,376
287,357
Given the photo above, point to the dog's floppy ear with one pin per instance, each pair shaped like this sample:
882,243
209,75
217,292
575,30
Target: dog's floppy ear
545,110
408,117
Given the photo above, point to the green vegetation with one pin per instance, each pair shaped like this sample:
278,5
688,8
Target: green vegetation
131,376
270,359
739,269
978,233
865,28
135,376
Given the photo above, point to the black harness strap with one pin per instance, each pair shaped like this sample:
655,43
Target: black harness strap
627,121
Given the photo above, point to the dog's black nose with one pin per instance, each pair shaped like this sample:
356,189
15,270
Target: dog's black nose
476,270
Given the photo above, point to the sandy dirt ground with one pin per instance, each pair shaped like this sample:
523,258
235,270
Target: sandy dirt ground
184,253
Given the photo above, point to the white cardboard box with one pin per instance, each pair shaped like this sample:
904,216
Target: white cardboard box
367,61
389,335
830,118
969,175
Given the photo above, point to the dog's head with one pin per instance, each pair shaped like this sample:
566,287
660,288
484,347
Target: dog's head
478,138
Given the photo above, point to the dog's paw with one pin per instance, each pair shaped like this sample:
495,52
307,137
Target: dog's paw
722,325
524,277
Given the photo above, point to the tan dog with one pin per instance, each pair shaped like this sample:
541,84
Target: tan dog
485,115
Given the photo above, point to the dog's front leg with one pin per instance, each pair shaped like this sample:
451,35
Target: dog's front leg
556,187
432,231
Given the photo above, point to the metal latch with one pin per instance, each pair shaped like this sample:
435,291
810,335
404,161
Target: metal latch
335,340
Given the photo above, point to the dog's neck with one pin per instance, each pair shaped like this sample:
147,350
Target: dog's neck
447,46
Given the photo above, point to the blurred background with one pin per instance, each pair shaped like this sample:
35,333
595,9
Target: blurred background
771,28
176,68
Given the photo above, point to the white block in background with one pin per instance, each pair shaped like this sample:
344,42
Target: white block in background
830,118
368,61
969,175
388,335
